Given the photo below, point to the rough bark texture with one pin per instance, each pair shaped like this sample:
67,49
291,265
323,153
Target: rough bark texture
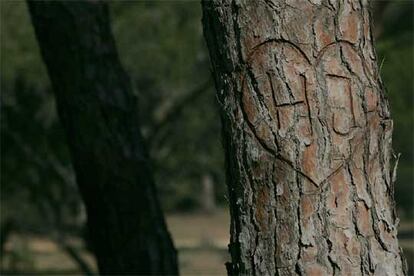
307,133
99,113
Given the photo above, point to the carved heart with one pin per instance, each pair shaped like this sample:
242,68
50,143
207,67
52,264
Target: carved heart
294,104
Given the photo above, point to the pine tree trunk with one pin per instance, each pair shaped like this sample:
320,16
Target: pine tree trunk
99,114
307,133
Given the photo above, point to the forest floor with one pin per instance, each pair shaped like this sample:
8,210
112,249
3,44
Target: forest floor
201,240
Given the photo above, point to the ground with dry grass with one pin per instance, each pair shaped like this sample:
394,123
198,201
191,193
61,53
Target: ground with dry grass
201,240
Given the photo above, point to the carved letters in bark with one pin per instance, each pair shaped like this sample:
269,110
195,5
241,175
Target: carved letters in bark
290,97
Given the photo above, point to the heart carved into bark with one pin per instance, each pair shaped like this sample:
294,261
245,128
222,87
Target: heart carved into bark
294,104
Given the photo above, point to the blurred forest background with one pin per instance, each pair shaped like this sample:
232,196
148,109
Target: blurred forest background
162,47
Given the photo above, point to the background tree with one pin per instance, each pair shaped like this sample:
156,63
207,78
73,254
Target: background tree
307,132
178,108
185,146
395,51
168,65
99,113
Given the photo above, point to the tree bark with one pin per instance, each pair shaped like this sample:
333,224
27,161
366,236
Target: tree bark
99,113
307,133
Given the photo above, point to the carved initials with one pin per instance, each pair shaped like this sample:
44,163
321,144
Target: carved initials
290,96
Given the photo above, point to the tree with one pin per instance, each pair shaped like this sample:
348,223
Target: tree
170,70
395,51
307,133
98,111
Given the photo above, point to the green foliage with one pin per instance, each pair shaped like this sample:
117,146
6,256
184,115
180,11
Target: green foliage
38,192
162,48
18,47
395,50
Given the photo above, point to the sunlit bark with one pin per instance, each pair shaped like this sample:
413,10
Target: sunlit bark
307,133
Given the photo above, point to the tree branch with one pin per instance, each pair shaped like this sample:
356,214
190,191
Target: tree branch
176,110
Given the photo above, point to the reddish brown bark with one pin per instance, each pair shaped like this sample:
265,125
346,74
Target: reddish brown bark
307,132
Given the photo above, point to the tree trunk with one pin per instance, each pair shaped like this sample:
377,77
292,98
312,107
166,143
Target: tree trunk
307,133
207,196
99,113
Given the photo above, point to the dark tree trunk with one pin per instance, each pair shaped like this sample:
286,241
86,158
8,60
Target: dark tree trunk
307,133
99,113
